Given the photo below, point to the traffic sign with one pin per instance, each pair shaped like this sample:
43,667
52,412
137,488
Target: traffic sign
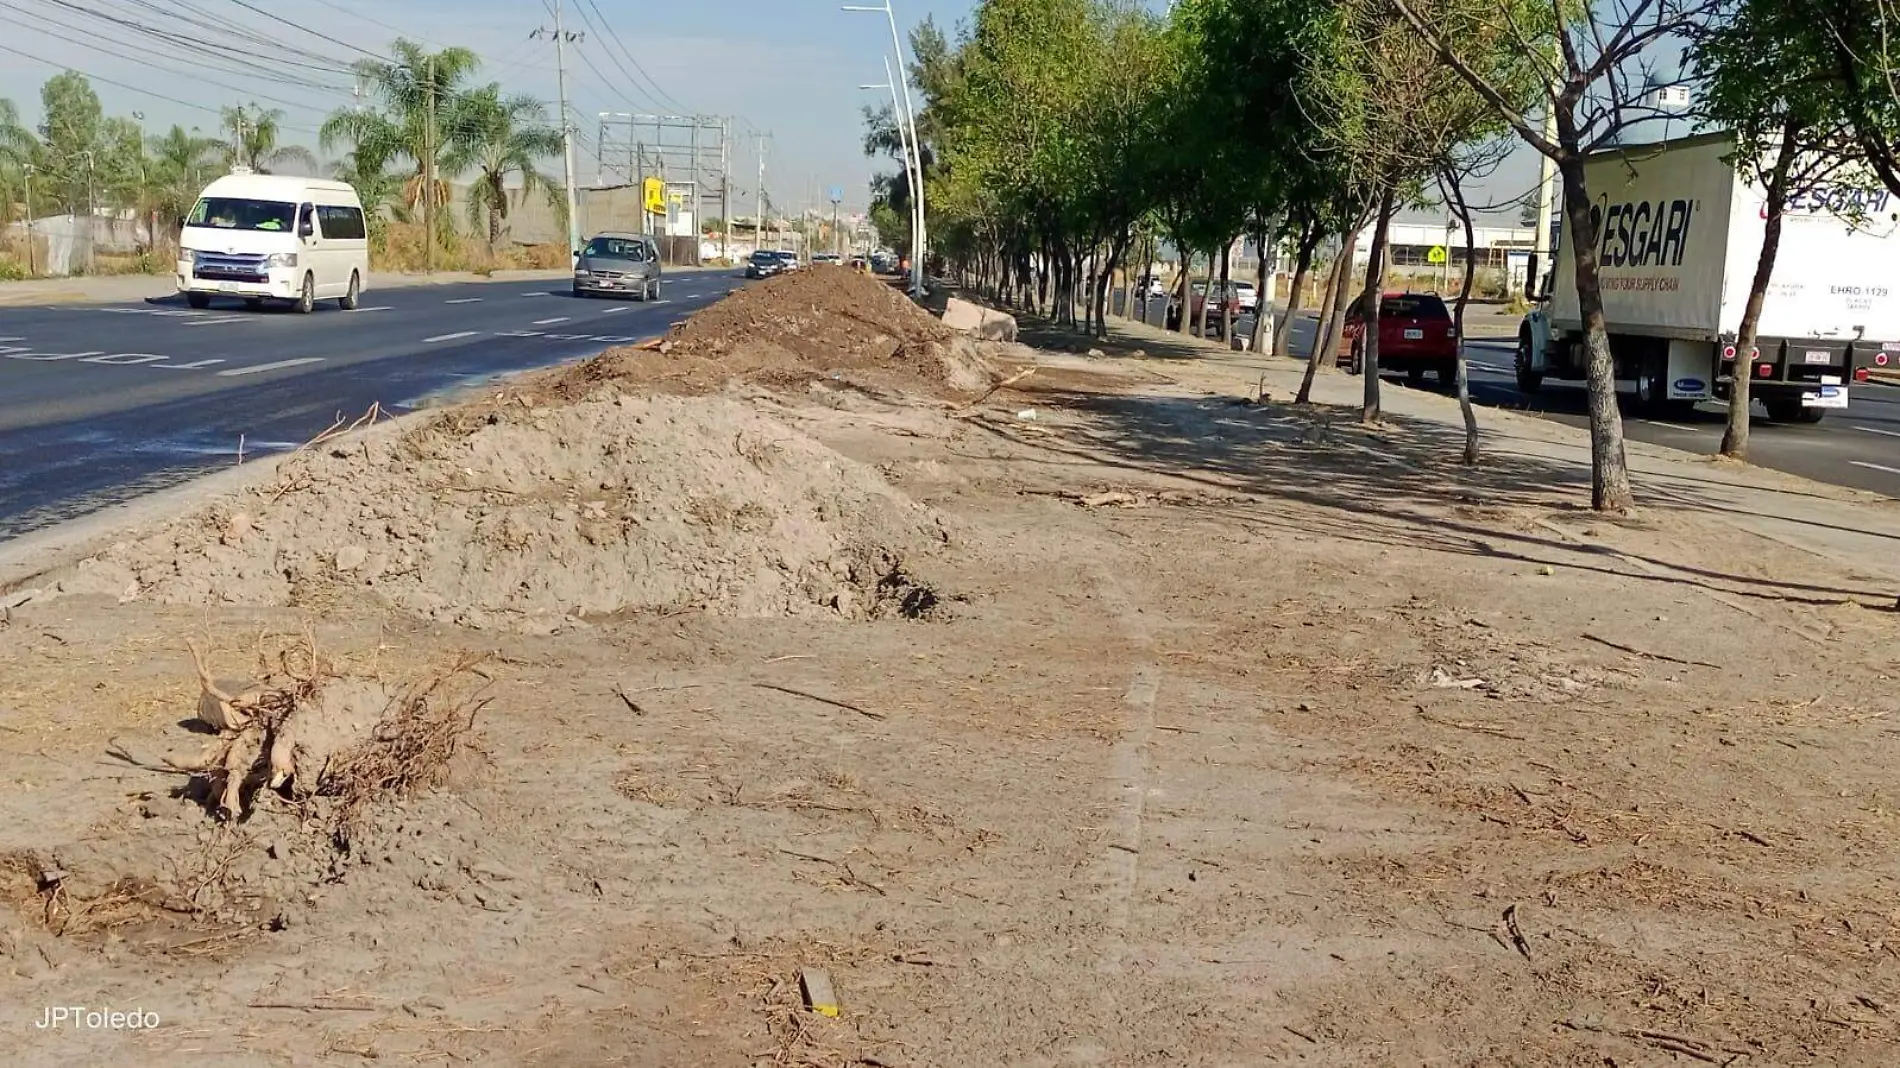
1437,256
836,193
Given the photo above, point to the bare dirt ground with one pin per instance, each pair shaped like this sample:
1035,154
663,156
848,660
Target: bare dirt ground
1195,732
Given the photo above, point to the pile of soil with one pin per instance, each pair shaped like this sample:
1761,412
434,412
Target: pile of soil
530,518
822,322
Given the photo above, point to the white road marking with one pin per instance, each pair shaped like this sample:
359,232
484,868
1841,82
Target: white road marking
1876,467
262,367
662,302
517,333
1867,429
1483,366
220,319
464,300
539,293
448,337
192,366
379,307
609,311
551,322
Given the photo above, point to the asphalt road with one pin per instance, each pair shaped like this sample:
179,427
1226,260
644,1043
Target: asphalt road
1858,447
102,403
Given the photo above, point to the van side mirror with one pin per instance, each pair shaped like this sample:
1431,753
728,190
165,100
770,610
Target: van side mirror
306,228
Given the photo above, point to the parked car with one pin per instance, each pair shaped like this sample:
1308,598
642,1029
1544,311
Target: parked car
764,264
1197,296
272,237
1416,335
616,264
790,259
1247,297
831,258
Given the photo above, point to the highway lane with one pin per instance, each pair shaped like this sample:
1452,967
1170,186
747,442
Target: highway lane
1858,447
103,403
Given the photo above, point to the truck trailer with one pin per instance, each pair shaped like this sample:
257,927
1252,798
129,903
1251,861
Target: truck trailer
1679,231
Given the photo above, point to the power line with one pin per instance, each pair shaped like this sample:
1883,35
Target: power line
663,100
193,75
115,84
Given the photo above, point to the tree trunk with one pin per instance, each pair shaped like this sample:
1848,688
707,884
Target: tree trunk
1609,462
1332,317
1262,306
1735,437
1455,193
1226,308
1310,237
1370,298
1185,292
1200,314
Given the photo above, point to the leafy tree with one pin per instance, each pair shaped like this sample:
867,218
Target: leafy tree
1764,79
1593,73
69,141
254,143
502,139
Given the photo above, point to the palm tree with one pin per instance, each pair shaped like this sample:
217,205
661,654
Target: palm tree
18,146
501,139
178,165
254,132
421,96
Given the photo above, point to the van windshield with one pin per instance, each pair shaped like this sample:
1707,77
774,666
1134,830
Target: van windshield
617,248
233,213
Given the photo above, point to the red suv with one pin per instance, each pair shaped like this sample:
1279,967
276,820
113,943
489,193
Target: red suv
1415,336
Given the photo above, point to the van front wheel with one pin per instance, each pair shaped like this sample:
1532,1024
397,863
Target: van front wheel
307,298
350,300
200,301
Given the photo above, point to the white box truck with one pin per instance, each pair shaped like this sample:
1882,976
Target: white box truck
1679,233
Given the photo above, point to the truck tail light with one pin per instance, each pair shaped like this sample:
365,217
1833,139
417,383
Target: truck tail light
1860,374
1763,370
1728,352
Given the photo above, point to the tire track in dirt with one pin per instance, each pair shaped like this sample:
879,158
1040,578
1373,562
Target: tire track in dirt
1129,770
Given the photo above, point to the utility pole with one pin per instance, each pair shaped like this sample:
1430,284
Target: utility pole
31,267
92,221
1546,174
562,39
725,189
758,221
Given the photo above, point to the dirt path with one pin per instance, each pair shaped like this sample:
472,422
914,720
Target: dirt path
1225,734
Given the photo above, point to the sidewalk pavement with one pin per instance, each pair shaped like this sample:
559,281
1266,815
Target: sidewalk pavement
1856,529
112,289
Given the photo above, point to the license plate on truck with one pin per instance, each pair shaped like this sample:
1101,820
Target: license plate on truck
227,287
1415,335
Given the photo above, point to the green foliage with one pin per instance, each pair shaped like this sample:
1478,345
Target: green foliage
501,139
253,143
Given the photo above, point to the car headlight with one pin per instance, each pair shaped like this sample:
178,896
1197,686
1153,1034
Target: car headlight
581,272
281,259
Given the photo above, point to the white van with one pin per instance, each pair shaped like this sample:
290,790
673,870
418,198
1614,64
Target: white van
273,237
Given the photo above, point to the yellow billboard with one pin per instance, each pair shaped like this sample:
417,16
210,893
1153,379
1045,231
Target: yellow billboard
653,191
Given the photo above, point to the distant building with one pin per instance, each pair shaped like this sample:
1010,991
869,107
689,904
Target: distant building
1412,244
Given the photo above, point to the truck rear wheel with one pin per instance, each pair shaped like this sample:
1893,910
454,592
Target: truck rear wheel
1787,409
1528,381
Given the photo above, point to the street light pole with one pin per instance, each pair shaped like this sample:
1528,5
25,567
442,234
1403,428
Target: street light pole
911,166
909,117
31,267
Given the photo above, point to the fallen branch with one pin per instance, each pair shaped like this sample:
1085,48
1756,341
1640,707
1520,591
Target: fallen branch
1479,728
1706,1052
1517,933
1646,654
846,705
998,387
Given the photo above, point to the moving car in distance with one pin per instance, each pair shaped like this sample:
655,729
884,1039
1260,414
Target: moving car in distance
1416,335
764,264
618,264
271,237
831,258
790,258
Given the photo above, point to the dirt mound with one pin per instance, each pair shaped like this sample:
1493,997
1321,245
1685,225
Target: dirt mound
528,518
786,331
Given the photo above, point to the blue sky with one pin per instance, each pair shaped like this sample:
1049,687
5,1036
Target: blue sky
790,67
